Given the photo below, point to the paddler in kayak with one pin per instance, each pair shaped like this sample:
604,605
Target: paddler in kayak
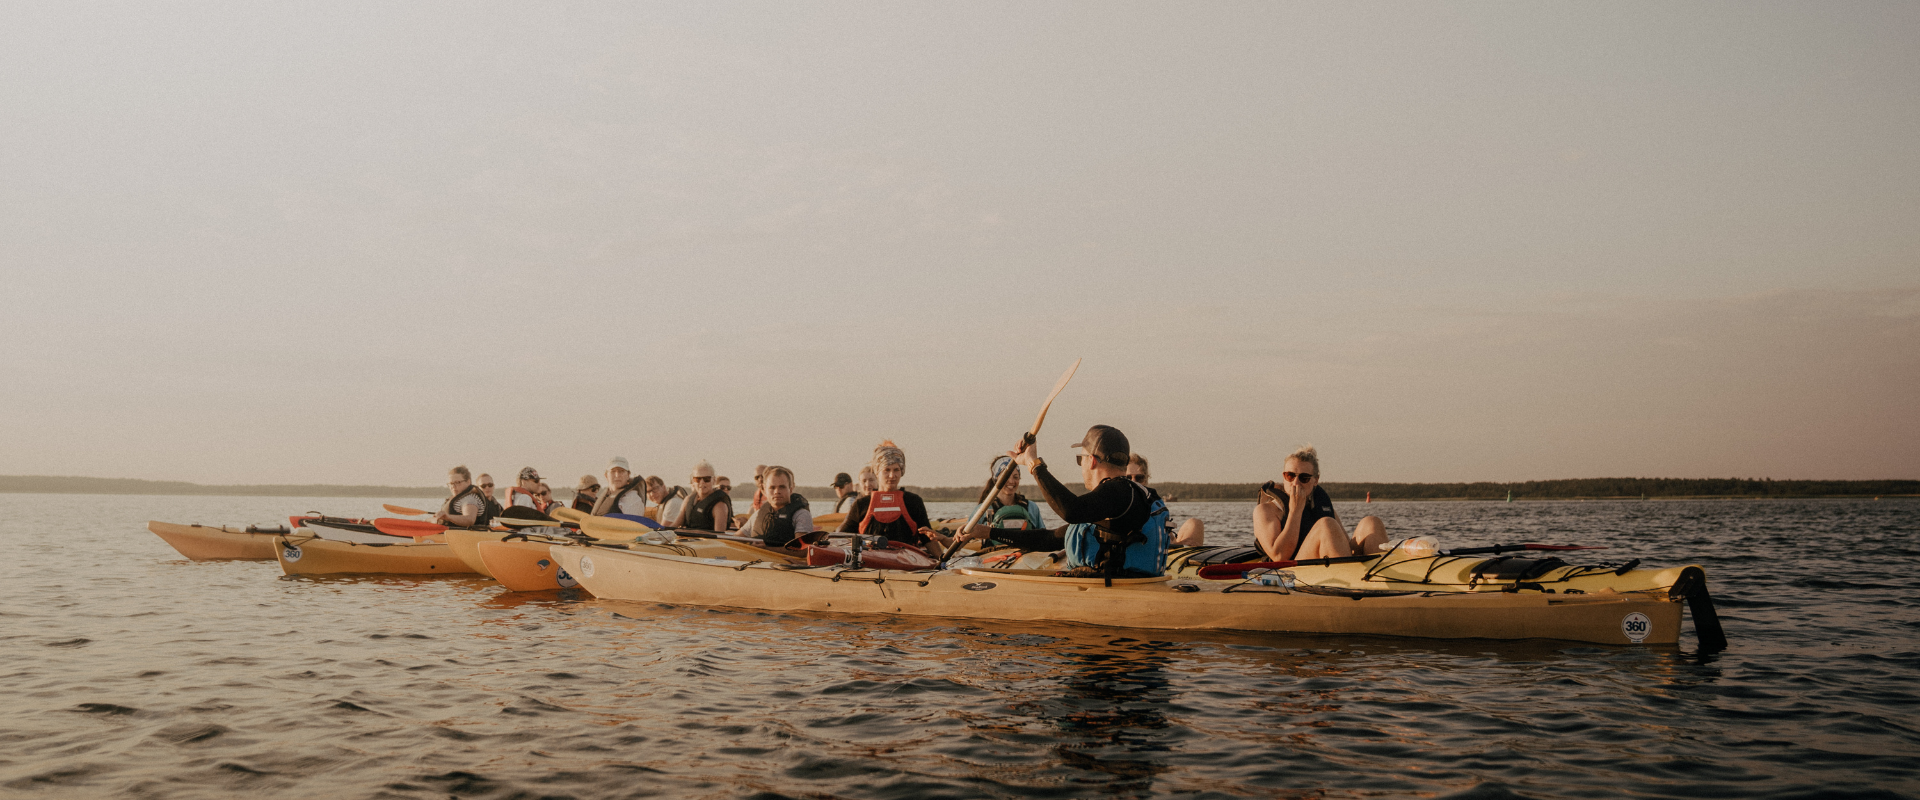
890,511
626,493
844,493
465,508
710,508
525,491
783,519
1295,520
1191,533
585,492
1118,529
485,482
664,503
1010,508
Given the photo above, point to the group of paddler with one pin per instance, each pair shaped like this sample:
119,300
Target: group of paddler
1118,528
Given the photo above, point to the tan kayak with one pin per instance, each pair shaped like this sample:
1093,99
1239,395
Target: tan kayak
466,546
302,555
203,543
1154,603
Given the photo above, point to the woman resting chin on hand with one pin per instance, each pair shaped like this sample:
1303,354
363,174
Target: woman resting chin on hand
1295,521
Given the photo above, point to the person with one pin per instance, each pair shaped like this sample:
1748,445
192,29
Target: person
725,483
783,520
897,514
1295,519
585,492
485,483
710,508
844,493
465,507
625,493
663,503
1010,508
543,499
759,486
1118,528
523,492
1192,532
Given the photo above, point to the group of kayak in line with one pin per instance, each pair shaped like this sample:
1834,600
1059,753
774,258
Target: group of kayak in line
1119,528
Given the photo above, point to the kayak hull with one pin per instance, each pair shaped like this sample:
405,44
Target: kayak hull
897,557
528,566
315,556
203,543
1163,603
466,546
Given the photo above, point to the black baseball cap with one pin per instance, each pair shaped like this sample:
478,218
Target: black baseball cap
841,479
1106,443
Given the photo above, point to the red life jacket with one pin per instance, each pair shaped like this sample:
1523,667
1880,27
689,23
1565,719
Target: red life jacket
887,507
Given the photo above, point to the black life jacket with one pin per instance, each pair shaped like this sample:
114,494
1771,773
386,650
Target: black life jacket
700,512
582,504
774,526
609,503
488,509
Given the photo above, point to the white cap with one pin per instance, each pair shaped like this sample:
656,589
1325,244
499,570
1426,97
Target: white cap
619,461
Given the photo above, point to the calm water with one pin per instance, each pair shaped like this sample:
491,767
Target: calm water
130,672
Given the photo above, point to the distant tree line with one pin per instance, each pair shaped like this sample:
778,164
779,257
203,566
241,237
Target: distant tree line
1527,490
1565,489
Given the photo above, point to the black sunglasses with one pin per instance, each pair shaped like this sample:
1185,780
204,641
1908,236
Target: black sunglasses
1297,476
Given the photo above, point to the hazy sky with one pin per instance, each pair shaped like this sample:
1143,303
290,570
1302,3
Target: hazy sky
362,242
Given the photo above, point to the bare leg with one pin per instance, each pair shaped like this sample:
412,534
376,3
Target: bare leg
1327,540
1370,536
1192,533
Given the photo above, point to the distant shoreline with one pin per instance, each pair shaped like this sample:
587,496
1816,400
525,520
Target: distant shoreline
1574,489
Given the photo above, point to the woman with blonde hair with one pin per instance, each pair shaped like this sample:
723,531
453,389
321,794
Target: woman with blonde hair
1294,519
890,511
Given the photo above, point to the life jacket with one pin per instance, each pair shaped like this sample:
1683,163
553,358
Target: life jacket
1142,551
609,502
493,510
700,512
582,504
487,512
658,511
774,526
887,514
1019,514
532,502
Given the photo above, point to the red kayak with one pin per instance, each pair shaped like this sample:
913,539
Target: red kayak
898,555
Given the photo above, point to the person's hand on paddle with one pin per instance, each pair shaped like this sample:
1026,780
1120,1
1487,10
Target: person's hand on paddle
1025,455
971,532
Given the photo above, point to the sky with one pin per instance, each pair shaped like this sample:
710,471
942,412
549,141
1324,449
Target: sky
361,242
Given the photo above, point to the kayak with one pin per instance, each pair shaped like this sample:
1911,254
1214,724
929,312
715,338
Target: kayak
1165,603
203,543
524,564
465,544
316,555
896,556
344,530
1399,571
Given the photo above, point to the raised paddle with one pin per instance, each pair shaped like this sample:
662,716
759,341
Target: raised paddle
1000,478
1224,572
407,527
403,510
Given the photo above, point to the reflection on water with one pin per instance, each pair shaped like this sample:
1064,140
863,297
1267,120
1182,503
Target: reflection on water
132,672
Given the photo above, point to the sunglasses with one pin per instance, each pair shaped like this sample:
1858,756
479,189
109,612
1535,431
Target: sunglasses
1297,477
486,486
701,480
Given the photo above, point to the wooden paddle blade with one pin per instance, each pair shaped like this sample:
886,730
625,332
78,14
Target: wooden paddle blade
602,526
403,510
569,514
1064,378
830,520
407,527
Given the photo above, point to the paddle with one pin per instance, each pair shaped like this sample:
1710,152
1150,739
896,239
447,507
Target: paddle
1220,572
407,527
403,510
569,514
1000,479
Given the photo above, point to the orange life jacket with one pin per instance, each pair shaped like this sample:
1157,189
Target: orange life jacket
887,507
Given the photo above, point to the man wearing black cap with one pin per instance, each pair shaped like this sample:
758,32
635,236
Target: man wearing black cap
525,492
843,486
1116,530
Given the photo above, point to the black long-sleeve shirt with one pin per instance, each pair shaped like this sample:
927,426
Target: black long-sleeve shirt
1118,499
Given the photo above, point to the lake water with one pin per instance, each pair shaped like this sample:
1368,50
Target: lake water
128,671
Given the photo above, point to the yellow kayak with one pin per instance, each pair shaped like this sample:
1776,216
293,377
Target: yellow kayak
312,555
204,543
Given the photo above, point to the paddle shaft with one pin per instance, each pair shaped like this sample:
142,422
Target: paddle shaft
412,512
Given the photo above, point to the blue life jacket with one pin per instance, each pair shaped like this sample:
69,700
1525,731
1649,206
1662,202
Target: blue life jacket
1146,554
